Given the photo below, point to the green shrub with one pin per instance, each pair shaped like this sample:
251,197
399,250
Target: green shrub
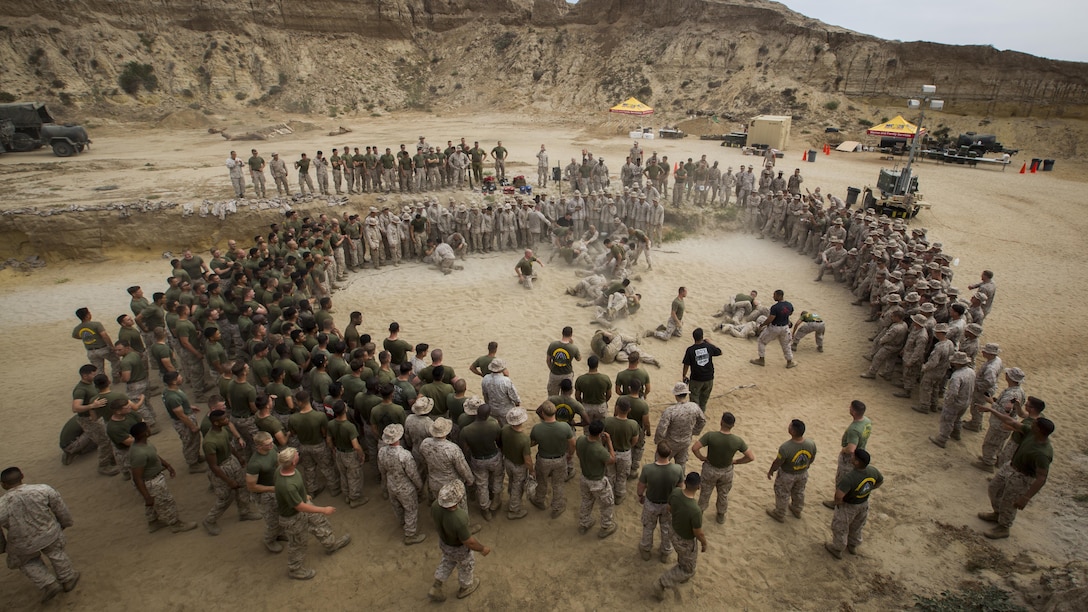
505,40
136,75
832,105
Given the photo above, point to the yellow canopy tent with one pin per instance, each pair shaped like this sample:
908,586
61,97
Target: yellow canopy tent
896,128
628,114
631,106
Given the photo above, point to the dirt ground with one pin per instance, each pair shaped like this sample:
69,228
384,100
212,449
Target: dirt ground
1028,229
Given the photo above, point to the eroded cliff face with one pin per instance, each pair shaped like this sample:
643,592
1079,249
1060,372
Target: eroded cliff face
338,56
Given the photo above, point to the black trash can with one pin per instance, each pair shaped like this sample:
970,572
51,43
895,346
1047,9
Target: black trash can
852,194
811,155
1048,165
557,173
1035,164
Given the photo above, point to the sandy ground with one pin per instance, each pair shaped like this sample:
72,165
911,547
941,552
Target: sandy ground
922,533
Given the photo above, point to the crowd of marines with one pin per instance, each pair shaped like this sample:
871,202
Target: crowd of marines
277,405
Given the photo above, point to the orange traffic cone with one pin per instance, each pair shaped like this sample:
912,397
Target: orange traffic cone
805,158
827,149
1023,168
1033,167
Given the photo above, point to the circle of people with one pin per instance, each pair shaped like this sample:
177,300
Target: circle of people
295,407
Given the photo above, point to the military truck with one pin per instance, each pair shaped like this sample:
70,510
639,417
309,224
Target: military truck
34,127
7,130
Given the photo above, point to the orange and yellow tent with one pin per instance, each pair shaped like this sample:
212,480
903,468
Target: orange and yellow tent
896,128
631,106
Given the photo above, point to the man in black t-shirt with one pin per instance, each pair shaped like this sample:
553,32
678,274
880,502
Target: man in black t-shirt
777,325
699,360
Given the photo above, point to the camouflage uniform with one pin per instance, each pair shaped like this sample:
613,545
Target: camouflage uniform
716,478
1005,488
350,470
789,490
403,482
678,424
266,504
445,463
296,528
33,517
95,429
596,491
314,458
957,398
687,554
996,435
224,495
165,509
552,472
190,443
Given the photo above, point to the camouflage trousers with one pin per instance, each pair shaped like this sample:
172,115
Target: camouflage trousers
551,473
518,476
247,428
667,330
98,358
789,491
350,470
596,492
654,515
266,503
315,458
617,474
554,381
165,509
636,453
120,457
681,447
36,571
459,557
224,495
195,371
771,332
950,423
488,474
716,478
405,501
995,439
298,529
843,466
190,443
910,376
281,184
847,523
134,390
687,555
932,385
1005,488
596,412
95,429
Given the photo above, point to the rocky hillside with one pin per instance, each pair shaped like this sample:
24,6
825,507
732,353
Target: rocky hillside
333,57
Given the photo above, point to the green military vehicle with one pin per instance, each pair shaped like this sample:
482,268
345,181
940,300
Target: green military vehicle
33,127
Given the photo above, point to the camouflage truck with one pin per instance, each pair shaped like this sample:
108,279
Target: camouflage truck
33,128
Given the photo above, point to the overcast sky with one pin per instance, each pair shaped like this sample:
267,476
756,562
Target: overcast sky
1053,28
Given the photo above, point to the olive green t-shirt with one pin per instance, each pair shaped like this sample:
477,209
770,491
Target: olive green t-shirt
398,350
624,377
87,394
593,387
217,443
160,352
639,409
452,525
145,456
481,438
290,492
858,484
90,333
239,397
678,308
263,467
525,266
552,438
342,433
135,340
592,457
858,433
71,432
427,374
482,362
455,406
307,426
384,415
176,398
720,448
660,480
281,392
133,363
269,424
1031,455
364,406
562,356
566,407
621,431
437,391
117,431
515,445
796,456
687,516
